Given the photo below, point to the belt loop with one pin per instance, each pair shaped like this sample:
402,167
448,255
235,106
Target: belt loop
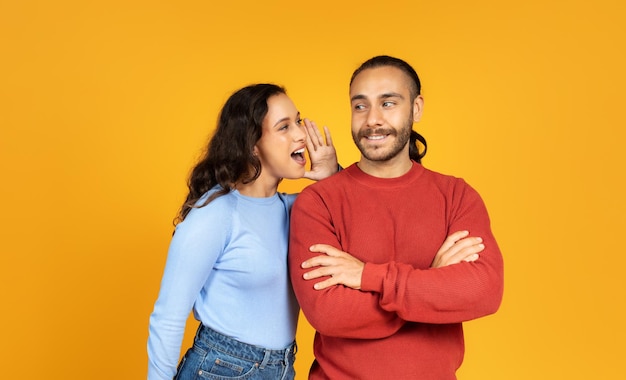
286,359
266,359
291,350
199,331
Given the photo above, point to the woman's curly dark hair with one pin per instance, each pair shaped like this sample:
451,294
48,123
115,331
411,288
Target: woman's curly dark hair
229,157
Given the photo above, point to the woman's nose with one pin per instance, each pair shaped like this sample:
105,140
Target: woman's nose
299,134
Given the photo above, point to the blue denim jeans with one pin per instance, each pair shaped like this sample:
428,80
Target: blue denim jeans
216,356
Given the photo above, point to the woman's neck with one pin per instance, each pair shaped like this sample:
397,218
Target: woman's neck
259,188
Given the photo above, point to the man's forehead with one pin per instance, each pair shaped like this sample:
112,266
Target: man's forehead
380,81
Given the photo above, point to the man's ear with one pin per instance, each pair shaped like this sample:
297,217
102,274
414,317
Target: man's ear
418,107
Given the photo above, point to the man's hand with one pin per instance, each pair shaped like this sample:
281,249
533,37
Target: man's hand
341,267
456,248
321,152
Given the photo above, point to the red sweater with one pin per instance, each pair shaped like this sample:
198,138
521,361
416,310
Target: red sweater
405,322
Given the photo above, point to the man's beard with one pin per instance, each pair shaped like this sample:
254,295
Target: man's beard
378,153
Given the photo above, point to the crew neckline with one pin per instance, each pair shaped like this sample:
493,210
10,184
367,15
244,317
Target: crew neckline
359,175
258,200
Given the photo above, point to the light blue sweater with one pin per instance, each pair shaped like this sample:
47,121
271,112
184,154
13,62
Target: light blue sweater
227,261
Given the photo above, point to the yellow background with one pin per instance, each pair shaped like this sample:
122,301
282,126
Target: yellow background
105,105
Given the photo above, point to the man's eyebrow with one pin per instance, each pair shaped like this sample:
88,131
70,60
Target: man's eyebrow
357,97
382,96
391,95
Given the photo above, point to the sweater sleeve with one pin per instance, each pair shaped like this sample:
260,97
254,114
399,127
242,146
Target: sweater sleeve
451,294
335,311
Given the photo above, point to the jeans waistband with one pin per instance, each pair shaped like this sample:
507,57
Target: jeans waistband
228,345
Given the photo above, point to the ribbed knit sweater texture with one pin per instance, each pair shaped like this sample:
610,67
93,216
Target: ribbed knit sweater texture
406,321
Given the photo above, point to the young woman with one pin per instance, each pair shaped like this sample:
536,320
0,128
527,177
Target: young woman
228,257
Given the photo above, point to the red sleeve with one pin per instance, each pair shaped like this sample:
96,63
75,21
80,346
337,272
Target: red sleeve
336,311
451,294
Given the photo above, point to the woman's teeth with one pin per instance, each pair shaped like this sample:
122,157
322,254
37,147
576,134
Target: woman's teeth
298,155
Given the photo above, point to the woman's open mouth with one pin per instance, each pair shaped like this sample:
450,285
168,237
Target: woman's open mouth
298,156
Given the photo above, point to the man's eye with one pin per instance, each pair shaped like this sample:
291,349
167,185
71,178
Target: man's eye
387,104
359,107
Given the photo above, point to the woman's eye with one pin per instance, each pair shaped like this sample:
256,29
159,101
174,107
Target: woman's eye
299,121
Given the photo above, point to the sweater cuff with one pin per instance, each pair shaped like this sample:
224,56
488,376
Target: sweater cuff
373,276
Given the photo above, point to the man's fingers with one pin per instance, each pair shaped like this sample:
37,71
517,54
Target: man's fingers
452,239
324,284
326,249
316,273
462,244
321,260
314,262
467,242
468,253
457,248
458,235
